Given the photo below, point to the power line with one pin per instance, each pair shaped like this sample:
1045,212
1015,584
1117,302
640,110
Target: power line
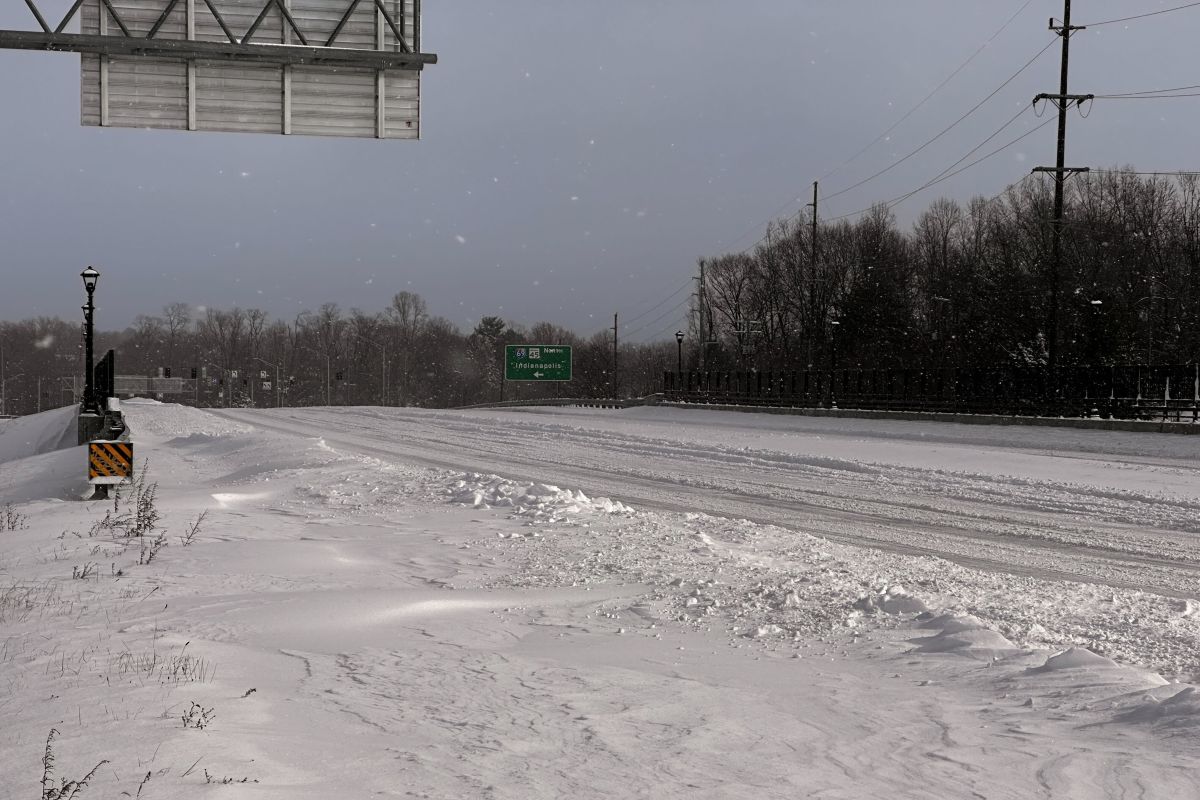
661,303
1080,226
950,172
1195,94
923,146
929,96
1140,16
1150,91
1004,210
677,323
659,318
946,174
1174,173
758,225
939,177
942,176
947,129
896,124
763,238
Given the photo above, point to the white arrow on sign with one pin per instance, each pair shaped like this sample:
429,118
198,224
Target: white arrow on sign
538,374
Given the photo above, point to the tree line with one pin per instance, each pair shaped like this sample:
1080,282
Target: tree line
401,356
967,285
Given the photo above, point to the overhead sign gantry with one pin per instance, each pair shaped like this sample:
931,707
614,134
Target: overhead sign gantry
320,67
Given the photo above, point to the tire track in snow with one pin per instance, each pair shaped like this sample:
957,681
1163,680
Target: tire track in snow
1024,536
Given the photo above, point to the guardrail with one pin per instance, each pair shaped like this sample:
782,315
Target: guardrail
584,402
1133,392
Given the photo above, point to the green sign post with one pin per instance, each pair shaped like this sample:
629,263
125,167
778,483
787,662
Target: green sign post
537,362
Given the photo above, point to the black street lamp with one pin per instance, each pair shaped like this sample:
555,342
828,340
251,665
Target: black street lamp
679,352
90,276
834,325
1093,333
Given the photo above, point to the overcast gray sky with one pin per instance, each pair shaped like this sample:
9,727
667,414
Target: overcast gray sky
577,157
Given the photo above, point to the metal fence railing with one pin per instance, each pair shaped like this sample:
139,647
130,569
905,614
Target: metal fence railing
1126,392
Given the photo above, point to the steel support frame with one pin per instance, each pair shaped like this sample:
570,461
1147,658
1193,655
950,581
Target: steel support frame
404,54
110,45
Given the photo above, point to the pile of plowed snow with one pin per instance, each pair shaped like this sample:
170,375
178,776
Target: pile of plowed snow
538,502
37,434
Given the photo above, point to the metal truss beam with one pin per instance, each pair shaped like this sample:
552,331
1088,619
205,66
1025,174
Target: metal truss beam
399,55
214,51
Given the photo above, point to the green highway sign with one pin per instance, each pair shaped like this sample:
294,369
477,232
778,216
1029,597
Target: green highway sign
537,362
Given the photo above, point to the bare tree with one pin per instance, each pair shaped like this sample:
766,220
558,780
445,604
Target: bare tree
177,317
407,317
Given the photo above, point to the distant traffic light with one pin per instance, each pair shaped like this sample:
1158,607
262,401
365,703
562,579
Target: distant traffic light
166,372
193,373
337,375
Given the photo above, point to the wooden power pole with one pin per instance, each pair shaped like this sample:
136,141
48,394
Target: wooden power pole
812,281
1063,100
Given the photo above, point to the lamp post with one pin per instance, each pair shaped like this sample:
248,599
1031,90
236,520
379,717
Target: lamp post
679,352
1094,337
90,276
833,361
1094,354
939,333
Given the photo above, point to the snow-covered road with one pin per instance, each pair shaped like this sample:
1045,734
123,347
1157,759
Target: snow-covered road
1120,509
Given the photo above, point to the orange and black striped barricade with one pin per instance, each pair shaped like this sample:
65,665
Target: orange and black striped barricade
110,462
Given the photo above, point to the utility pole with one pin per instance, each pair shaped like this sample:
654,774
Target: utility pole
812,280
1063,100
614,374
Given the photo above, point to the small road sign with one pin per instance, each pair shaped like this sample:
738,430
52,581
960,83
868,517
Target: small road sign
110,462
537,362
